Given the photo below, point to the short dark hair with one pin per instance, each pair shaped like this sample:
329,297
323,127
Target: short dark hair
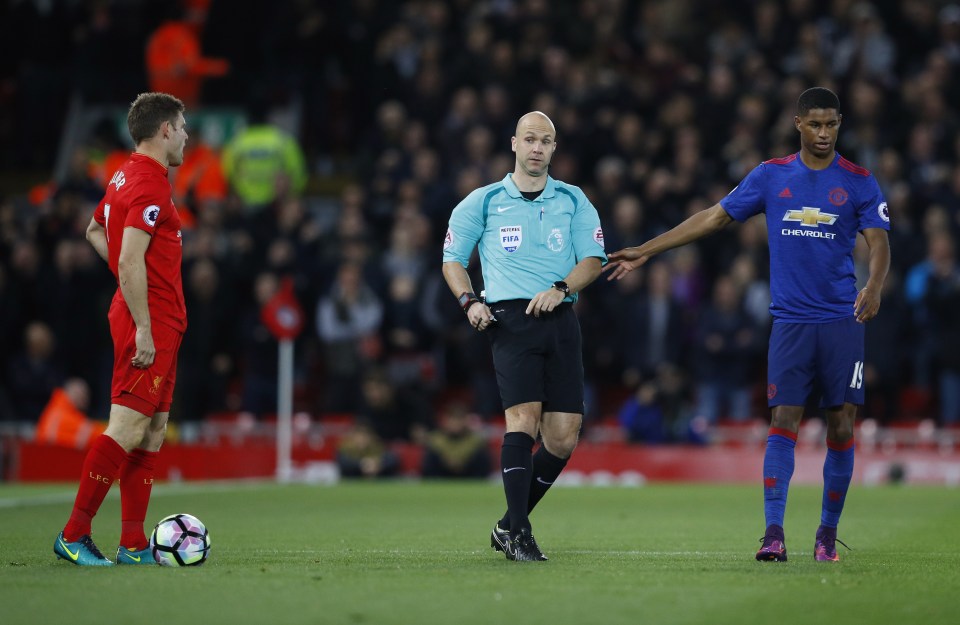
817,98
149,111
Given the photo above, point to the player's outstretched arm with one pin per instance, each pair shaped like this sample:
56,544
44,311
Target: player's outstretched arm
97,236
868,299
700,225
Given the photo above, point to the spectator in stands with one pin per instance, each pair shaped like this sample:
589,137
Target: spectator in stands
259,352
728,345
66,284
457,448
263,162
206,353
82,177
756,291
348,321
436,191
395,411
34,373
628,224
64,420
383,139
641,417
405,337
943,305
361,453
175,63
940,253
885,341
866,51
649,323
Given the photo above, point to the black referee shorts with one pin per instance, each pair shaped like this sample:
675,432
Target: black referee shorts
538,358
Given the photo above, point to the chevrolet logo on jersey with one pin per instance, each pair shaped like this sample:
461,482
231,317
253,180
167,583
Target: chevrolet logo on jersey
811,217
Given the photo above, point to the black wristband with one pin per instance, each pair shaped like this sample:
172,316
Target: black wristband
467,300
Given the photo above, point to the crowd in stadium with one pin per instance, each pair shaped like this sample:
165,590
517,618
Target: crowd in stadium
661,106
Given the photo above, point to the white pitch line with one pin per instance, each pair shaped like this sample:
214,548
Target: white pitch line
331,552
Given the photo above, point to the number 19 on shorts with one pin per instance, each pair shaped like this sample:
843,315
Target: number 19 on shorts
857,380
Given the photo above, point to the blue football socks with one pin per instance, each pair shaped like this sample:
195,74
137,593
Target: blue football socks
837,472
778,463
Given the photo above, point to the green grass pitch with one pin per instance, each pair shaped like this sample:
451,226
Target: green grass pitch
418,553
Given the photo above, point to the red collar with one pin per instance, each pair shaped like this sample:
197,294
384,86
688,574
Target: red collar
149,159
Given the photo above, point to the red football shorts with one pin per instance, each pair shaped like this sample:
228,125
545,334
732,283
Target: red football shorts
149,390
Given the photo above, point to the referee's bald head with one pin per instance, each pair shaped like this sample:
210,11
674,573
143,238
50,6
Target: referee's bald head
535,119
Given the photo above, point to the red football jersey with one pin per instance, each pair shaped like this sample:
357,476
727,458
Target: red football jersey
139,196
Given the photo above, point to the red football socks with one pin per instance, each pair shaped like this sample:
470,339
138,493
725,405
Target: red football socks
136,482
100,470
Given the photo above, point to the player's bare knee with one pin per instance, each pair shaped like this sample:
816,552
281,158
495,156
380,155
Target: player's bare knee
155,432
561,447
842,434
523,418
786,417
840,423
840,430
560,441
153,437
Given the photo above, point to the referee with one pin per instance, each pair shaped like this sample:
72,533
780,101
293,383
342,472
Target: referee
540,243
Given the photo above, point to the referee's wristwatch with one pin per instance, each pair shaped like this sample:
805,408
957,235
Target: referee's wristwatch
467,299
561,286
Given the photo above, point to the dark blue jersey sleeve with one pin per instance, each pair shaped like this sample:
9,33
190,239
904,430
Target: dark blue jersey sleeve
872,210
747,199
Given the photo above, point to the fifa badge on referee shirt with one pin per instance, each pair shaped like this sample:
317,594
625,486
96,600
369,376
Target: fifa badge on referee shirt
511,237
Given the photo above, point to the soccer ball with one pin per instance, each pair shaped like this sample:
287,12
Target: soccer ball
180,540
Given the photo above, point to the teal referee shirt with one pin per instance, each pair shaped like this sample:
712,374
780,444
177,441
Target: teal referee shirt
525,246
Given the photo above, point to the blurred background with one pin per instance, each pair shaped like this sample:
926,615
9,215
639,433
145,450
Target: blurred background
329,142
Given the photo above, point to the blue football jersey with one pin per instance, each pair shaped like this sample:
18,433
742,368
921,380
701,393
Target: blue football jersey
813,217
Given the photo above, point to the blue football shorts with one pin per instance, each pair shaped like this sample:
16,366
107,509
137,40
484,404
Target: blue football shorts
830,354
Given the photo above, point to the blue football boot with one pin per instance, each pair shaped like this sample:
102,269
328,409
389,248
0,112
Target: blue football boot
82,552
132,556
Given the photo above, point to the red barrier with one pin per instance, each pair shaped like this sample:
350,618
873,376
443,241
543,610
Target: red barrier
49,463
33,462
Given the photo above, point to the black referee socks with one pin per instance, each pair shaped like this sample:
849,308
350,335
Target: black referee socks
516,466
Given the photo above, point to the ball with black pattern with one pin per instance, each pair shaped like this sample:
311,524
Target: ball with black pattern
180,540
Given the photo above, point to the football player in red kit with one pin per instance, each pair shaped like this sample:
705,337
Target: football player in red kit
135,229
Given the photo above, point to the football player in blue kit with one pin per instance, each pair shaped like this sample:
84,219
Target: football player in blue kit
815,203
